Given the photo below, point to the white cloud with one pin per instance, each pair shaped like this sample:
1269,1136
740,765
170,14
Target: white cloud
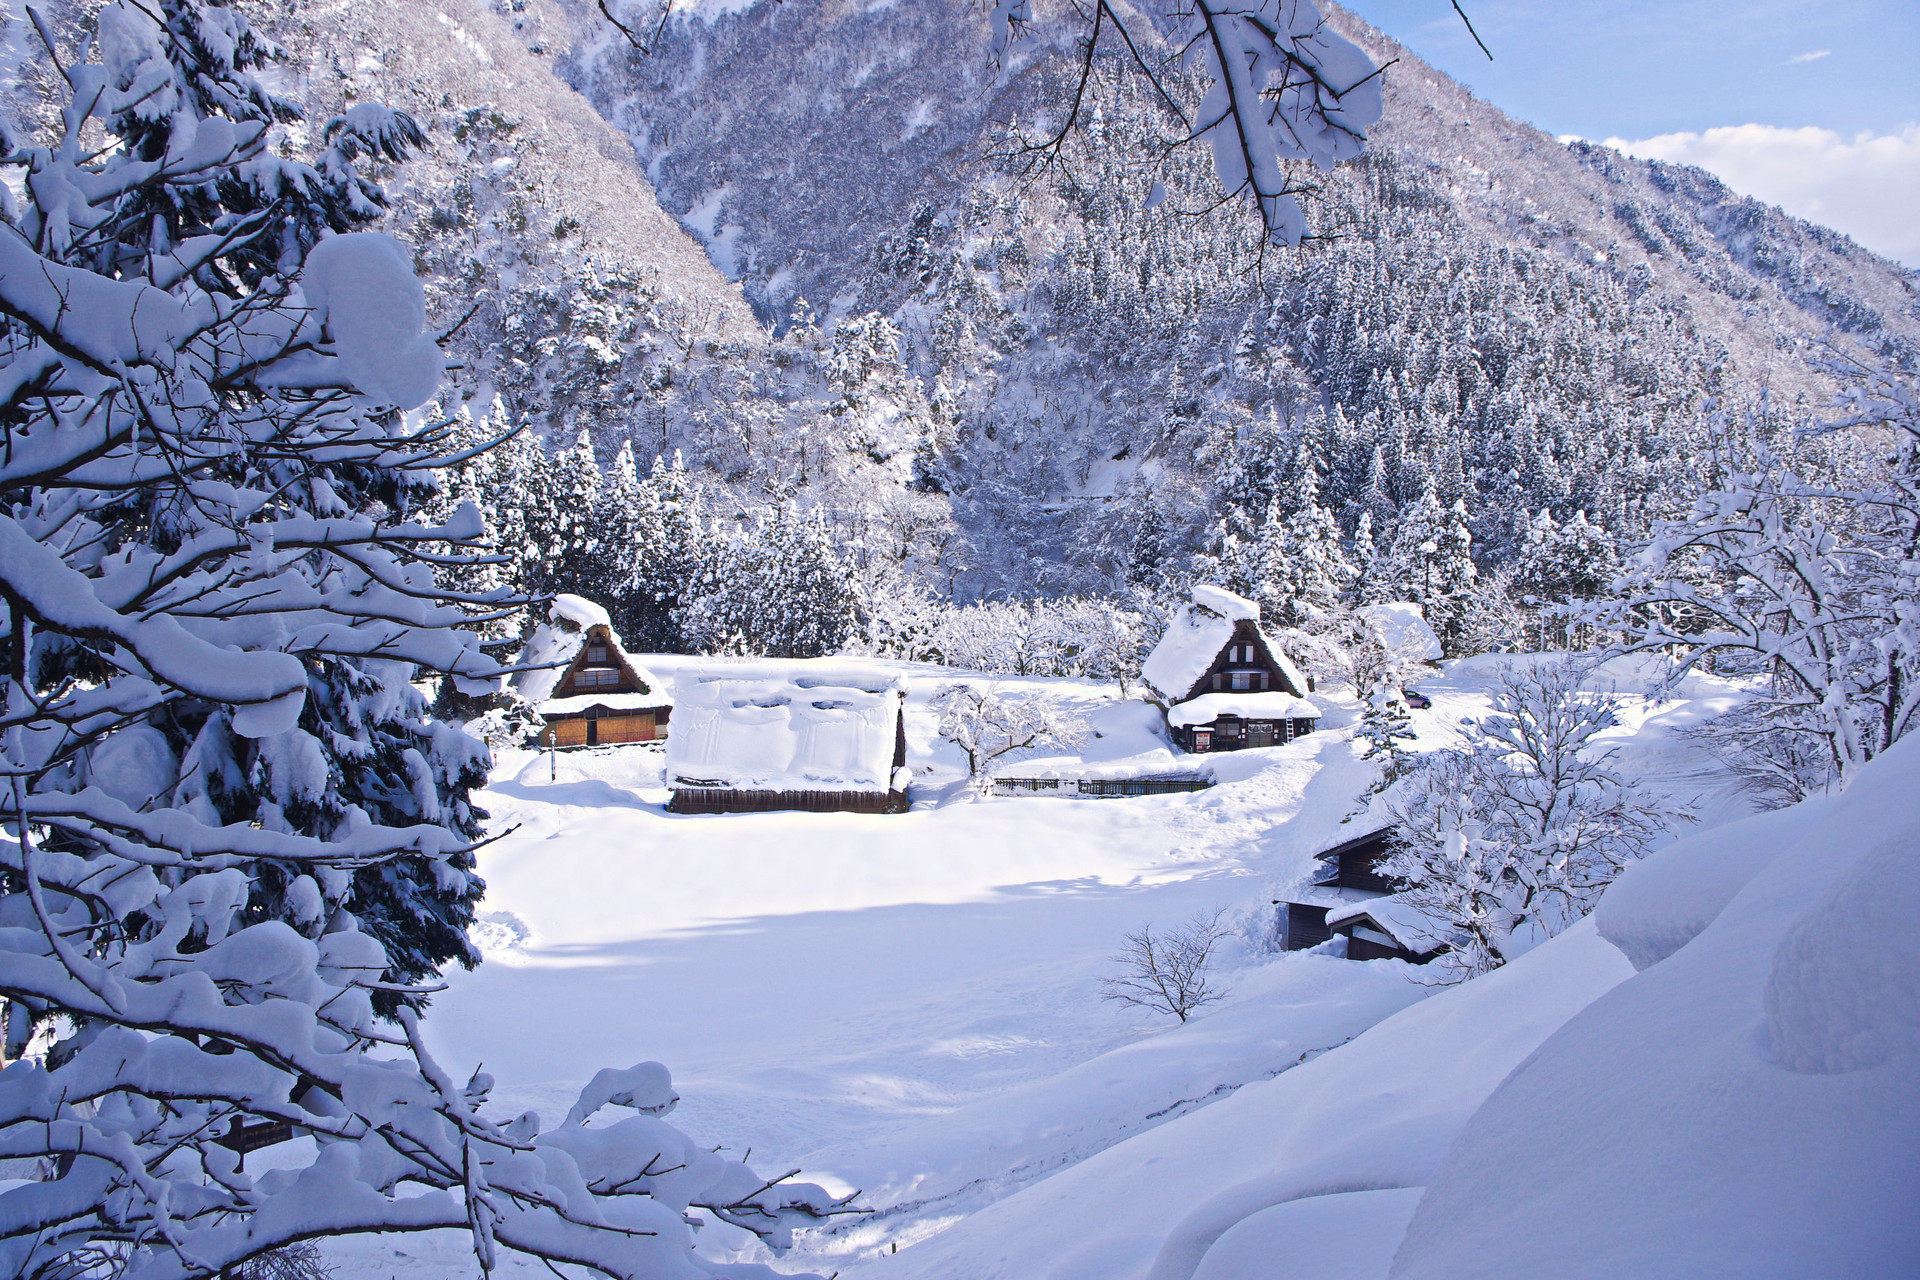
1867,186
1814,56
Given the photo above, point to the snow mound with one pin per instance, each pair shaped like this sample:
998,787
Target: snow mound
1348,1235
362,287
1750,1104
1844,993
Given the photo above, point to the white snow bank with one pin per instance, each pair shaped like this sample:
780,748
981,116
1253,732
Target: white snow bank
1747,1106
362,286
1403,629
1272,705
1377,1113
789,728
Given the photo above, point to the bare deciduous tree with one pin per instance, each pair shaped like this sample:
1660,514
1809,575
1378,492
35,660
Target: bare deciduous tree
986,726
1167,972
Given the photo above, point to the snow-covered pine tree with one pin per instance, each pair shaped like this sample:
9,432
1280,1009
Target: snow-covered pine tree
603,571
1432,562
670,548
215,595
1306,573
776,588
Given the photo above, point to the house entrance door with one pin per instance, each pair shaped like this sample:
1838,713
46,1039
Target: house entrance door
1260,733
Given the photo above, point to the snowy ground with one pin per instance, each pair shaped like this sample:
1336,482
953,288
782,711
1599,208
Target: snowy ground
911,1004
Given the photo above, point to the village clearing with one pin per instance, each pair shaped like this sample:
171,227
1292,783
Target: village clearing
911,1004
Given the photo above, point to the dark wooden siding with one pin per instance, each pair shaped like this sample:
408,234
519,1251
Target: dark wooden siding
722,800
1356,863
1302,925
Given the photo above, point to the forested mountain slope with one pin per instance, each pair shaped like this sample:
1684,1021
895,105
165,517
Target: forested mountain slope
1528,324
1023,381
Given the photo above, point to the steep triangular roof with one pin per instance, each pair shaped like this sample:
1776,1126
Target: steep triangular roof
559,649
1195,638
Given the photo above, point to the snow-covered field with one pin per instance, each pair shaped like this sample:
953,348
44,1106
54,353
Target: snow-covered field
911,1004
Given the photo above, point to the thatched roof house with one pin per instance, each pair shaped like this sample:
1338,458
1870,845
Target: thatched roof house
1223,684
584,685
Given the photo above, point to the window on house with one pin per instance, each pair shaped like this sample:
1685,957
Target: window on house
1243,681
1216,679
596,653
604,678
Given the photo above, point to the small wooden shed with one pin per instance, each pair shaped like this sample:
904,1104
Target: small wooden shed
823,737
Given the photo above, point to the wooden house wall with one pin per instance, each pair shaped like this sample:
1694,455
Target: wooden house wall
1230,733
1356,864
582,730
724,800
1303,925
1244,633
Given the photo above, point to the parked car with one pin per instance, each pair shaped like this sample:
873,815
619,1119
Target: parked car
1416,699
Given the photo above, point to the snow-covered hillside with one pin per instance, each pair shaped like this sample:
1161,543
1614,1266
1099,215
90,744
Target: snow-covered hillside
911,1005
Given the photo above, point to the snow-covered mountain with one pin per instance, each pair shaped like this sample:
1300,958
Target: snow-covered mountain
1527,323
1088,393
1101,357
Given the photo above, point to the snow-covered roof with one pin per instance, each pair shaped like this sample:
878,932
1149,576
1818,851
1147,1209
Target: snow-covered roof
1403,629
1225,603
747,728
1399,919
1195,637
615,700
1272,705
554,645
1159,763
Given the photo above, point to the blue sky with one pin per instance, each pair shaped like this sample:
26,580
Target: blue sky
1636,68
1813,105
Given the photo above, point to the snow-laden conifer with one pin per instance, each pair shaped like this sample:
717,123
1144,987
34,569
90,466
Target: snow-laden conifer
231,841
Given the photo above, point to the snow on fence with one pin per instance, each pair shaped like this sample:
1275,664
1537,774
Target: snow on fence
1151,773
